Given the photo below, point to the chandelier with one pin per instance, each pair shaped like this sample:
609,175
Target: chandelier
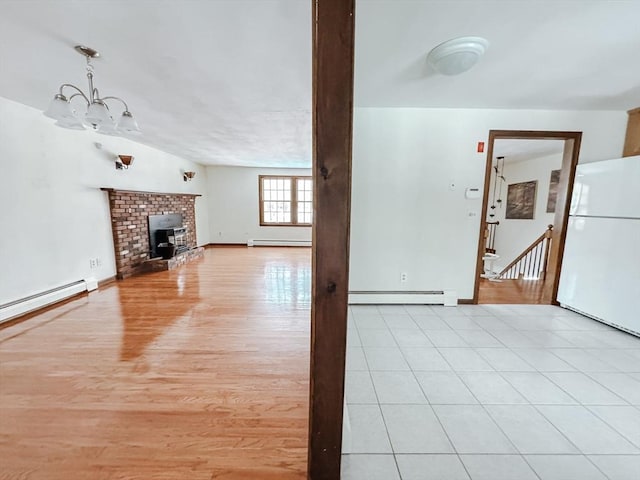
98,115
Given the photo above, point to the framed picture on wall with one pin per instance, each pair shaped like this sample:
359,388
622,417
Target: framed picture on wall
521,200
554,180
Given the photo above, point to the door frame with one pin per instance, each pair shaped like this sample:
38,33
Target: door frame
570,157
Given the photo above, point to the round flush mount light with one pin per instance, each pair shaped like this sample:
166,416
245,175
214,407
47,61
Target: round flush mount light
456,56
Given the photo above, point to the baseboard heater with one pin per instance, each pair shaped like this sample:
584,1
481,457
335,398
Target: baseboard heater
278,243
448,298
28,304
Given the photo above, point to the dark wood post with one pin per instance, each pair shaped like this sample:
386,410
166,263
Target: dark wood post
333,43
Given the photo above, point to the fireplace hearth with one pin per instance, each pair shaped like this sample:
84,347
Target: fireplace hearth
134,242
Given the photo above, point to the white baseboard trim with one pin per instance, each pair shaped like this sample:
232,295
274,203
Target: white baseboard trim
28,304
448,298
278,243
598,319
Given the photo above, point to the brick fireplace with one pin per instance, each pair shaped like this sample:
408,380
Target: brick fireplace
129,223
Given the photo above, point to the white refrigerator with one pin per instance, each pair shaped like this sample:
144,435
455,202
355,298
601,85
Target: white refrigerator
601,264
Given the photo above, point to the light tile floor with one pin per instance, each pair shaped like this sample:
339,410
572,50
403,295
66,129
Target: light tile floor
511,392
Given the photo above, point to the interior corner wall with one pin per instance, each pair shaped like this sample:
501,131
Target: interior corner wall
55,215
234,211
411,167
514,235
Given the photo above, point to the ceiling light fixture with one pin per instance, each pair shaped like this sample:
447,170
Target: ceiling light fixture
97,116
456,56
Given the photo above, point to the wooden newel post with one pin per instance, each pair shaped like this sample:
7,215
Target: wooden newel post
549,232
333,43
548,235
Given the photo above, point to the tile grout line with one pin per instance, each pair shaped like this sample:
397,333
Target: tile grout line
435,414
377,404
589,377
611,426
384,420
513,350
497,425
534,405
488,413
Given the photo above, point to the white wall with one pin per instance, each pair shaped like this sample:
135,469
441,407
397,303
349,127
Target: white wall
405,217
234,211
51,202
514,235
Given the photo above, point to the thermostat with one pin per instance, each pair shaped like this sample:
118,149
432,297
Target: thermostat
472,193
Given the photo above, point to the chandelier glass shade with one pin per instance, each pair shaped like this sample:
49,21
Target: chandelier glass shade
98,114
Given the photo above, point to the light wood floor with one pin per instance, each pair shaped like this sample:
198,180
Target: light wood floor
198,373
511,291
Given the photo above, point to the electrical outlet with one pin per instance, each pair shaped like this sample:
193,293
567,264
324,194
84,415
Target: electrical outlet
403,277
92,263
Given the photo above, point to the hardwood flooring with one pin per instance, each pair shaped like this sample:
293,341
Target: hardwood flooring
196,373
511,292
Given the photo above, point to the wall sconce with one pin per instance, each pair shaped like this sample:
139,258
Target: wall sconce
188,176
123,162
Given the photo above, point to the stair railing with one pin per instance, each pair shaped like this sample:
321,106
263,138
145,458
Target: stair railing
532,263
490,237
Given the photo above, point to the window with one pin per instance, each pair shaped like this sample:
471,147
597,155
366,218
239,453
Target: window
286,200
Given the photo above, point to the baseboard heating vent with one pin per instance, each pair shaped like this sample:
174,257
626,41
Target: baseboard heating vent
448,298
39,300
278,243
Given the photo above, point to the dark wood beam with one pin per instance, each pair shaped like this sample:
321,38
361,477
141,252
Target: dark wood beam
333,44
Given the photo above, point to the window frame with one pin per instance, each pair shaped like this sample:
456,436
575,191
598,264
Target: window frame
293,202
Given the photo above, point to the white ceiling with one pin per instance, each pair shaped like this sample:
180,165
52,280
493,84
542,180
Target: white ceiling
520,150
229,81
543,54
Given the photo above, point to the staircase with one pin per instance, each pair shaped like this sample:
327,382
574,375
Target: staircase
490,237
531,264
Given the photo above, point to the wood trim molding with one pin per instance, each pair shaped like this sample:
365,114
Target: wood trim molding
107,281
565,189
561,219
293,201
632,136
483,215
109,189
529,134
225,245
333,49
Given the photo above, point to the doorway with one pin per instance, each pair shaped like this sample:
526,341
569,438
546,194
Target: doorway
525,266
